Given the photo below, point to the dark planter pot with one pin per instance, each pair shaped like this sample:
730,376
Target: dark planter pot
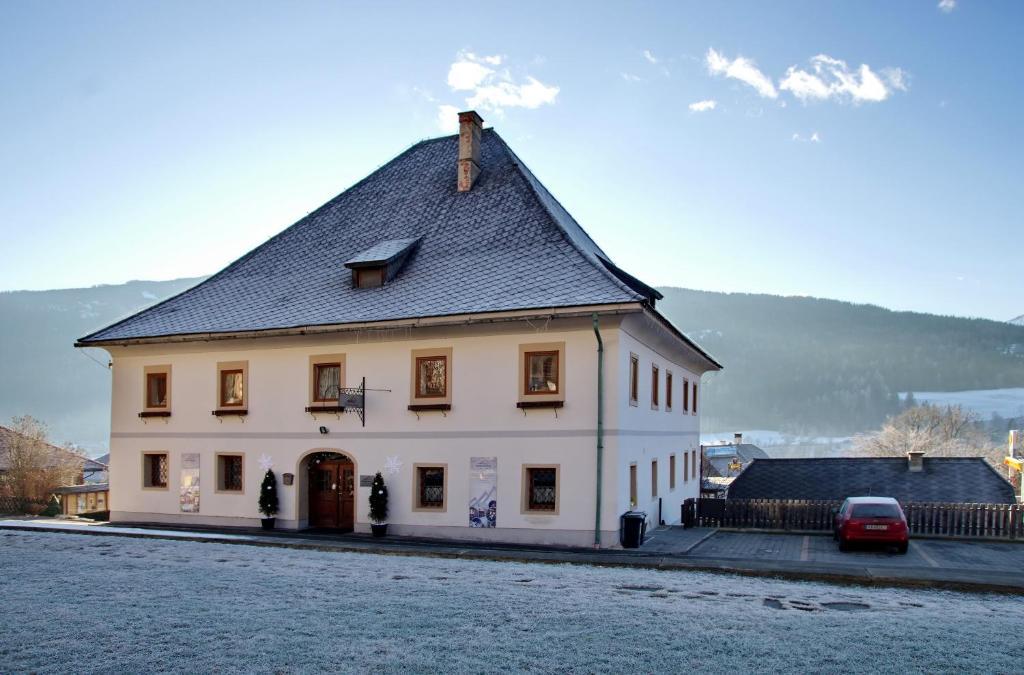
268,523
379,530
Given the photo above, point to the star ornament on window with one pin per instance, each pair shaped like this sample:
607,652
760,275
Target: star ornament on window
392,466
266,463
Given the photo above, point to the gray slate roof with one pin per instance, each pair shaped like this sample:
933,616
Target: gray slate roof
943,479
507,244
82,489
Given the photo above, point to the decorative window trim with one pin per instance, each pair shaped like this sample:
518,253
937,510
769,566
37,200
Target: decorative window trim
223,366
324,360
146,471
655,386
523,374
668,390
219,476
155,370
634,379
415,356
524,503
417,505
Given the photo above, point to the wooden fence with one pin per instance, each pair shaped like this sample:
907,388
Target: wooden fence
985,521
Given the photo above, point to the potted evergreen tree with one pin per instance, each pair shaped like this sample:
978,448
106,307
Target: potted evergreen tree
268,499
379,506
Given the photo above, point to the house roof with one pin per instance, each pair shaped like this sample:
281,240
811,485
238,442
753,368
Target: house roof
505,245
721,456
82,489
382,253
943,479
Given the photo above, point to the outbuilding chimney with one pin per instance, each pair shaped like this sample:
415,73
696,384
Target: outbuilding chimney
470,128
915,461
737,438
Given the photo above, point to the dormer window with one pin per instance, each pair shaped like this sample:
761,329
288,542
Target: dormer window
380,263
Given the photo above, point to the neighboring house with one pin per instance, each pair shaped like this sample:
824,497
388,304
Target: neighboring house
914,479
88,498
728,459
55,455
715,487
440,322
96,470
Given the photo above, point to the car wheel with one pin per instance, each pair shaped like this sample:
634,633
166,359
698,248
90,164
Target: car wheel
902,548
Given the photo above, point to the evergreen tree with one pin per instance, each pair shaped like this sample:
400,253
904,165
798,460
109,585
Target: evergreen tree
379,500
268,495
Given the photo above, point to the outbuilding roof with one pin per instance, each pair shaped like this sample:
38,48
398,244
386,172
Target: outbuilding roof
505,245
942,479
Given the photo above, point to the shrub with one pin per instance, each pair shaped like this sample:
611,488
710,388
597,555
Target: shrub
379,500
268,495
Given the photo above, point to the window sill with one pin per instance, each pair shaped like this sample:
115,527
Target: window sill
227,413
155,413
525,405
325,409
423,407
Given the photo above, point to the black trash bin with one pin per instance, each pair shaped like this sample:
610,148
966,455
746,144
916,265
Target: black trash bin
632,528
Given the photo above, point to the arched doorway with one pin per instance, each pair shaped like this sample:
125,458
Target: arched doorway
332,490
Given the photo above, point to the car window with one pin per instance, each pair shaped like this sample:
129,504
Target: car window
875,511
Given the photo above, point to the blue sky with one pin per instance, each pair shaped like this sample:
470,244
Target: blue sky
865,151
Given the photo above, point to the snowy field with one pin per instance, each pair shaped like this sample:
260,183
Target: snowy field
75,603
985,402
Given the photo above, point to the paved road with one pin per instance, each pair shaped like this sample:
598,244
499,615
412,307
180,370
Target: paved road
923,553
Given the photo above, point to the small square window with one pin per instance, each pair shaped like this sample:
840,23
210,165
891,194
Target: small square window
327,382
229,473
154,470
430,491
542,372
156,390
541,489
432,376
232,387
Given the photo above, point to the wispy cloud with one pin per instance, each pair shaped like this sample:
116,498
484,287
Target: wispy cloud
651,58
703,106
815,137
947,6
830,78
491,88
630,77
742,69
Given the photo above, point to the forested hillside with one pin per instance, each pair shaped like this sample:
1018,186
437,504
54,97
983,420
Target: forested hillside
806,365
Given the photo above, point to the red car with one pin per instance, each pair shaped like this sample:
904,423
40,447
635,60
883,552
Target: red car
871,519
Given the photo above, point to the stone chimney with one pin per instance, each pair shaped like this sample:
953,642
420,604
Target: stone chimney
915,461
470,128
737,438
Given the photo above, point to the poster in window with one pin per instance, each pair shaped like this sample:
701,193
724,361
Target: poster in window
483,491
189,498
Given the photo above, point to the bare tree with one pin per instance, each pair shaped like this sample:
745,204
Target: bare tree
937,431
33,467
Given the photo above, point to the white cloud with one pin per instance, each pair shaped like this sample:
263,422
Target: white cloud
630,77
947,6
742,69
651,58
833,78
815,137
490,88
703,106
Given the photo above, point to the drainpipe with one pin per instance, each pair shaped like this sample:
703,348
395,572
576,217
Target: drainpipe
600,430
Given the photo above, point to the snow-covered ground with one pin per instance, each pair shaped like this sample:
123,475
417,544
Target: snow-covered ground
94,603
985,402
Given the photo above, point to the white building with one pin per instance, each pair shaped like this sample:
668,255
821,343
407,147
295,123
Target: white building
472,309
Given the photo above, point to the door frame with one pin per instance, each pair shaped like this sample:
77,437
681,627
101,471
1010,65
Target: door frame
303,494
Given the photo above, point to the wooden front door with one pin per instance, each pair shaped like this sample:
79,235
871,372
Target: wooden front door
332,494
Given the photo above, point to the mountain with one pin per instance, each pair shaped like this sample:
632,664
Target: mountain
1019,321
44,376
800,365
813,366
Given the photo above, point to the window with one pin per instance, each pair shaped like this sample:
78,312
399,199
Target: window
154,470
229,473
654,478
668,391
156,395
326,382
696,469
686,395
634,379
431,377
430,487
686,467
672,471
655,382
694,398
232,384
368,277
632,486
542,372
541,489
